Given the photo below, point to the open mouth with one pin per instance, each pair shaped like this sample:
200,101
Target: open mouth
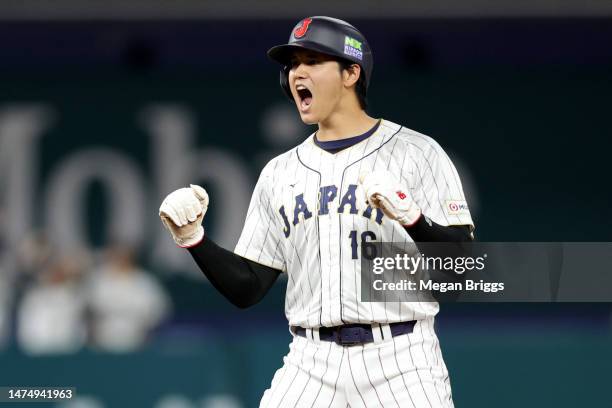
305,96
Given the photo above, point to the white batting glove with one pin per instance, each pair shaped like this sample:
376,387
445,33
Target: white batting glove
182,212
391,197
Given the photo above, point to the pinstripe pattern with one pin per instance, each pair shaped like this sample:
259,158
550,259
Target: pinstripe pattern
323,287
288,229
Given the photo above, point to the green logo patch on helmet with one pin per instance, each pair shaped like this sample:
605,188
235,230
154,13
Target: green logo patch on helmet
352,42
352,47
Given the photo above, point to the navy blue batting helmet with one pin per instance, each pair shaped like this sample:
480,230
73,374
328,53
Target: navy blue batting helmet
326,35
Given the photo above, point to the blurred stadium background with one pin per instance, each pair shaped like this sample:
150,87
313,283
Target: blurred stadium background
105,107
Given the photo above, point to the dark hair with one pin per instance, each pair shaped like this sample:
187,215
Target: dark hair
360,86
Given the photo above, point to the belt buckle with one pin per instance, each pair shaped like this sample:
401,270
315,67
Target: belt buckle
354,335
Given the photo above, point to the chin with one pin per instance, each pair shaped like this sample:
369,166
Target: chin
309,121
308,118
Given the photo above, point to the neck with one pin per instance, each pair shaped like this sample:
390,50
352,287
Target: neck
345,124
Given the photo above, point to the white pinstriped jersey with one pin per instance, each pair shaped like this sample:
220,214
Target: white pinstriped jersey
308,216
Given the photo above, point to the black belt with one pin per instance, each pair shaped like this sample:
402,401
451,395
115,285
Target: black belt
352,334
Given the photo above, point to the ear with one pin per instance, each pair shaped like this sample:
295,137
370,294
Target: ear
351,75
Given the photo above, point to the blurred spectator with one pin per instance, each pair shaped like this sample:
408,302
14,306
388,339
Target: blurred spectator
5,292
126,302
50,317
5,305
211,401
81,401
34,254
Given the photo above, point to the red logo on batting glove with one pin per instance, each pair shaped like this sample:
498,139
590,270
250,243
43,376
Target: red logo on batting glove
301,30
401,195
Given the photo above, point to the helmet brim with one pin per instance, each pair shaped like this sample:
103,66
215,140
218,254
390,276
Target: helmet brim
283,53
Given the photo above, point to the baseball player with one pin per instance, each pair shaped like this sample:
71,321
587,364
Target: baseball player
357,179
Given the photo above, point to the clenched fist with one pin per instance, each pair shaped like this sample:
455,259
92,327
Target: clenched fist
391,197
182,212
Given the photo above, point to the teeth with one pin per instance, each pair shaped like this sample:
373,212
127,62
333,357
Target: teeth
300,87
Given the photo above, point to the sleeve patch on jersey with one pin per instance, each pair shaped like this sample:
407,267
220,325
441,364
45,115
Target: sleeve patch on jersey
456,207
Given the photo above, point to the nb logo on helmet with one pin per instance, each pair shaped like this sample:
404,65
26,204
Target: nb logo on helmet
300,31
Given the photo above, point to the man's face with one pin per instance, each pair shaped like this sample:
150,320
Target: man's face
316,84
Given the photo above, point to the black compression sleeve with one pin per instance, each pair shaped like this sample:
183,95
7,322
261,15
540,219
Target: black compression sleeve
425,230
242,281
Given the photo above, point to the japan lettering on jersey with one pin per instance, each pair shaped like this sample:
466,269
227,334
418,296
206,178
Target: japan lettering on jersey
308,217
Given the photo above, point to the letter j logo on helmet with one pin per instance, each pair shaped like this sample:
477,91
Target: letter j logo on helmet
300,31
